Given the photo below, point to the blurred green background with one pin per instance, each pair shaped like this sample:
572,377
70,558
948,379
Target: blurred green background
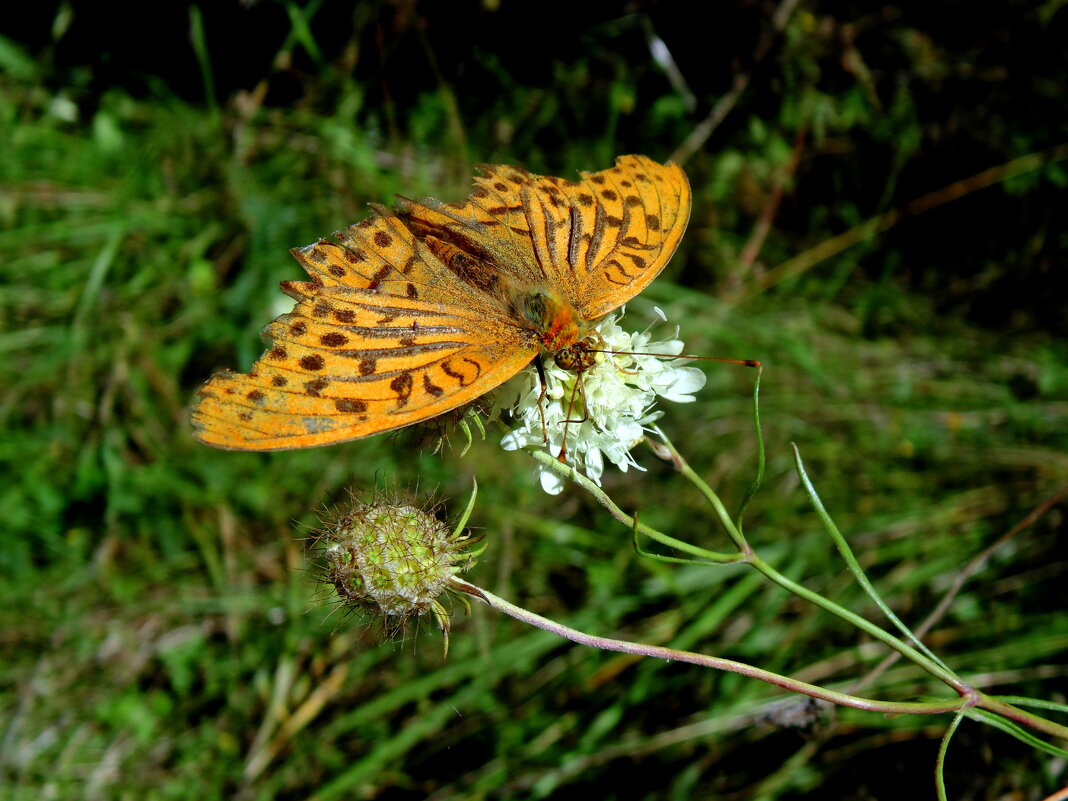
879,217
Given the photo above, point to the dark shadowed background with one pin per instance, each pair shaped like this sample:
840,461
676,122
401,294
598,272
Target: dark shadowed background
879,217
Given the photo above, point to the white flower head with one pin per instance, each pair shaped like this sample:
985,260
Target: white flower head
614,401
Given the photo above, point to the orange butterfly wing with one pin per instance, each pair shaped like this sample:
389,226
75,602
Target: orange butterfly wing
386,334
606,238
383,337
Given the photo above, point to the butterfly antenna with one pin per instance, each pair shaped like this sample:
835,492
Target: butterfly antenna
740,362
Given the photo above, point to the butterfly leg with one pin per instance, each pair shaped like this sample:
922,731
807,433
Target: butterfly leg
539,365
562,456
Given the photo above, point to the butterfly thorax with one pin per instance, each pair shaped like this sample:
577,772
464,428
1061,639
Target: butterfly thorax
560,330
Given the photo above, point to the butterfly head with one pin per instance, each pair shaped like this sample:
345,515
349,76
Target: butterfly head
582,355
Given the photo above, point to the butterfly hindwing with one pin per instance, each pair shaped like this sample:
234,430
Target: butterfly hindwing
600,240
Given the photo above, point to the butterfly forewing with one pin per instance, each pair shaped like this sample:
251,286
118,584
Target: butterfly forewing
384,336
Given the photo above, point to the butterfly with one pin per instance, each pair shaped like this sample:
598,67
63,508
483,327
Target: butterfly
421,309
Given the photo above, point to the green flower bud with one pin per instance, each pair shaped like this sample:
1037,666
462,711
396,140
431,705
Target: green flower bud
393,560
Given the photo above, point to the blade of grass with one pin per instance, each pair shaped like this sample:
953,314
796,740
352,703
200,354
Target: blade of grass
851,560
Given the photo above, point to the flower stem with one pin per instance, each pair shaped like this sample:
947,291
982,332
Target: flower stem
853,563
1007,710
969,697
602,498
936,670
922,660
718,663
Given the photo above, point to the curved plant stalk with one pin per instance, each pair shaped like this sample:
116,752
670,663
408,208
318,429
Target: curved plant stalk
704,660
940,762
746,555
761,458
1007,718
1003,713
545,459
965,573
851,560
751,557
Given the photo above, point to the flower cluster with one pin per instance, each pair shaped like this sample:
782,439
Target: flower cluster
614,400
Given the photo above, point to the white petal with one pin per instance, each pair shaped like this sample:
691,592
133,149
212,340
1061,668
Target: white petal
617,401
550,481
682,383
594,466
513,440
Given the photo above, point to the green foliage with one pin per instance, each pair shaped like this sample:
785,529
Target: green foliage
162,636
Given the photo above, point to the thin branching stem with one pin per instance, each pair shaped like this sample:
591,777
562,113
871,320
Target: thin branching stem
715,662
567,471
852,563
971,701
1007,710
751,557
943,749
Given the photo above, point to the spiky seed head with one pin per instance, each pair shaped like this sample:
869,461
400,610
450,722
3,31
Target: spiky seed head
391,559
